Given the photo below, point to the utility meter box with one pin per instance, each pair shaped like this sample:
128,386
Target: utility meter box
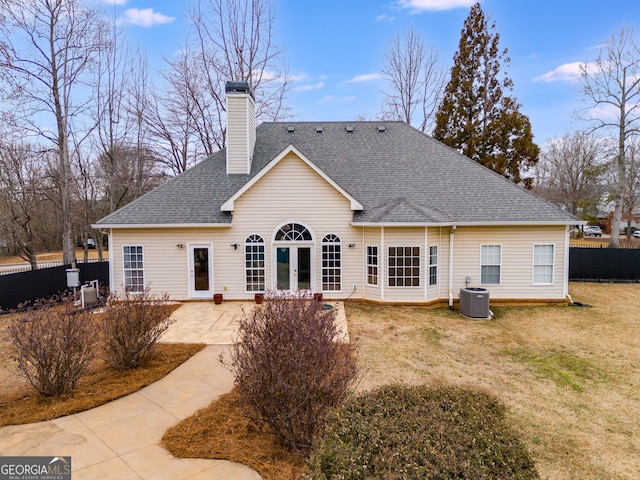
73,277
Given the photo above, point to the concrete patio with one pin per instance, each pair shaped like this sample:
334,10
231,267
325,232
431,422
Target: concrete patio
121,440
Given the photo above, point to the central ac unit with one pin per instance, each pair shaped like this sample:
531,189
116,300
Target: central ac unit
474,302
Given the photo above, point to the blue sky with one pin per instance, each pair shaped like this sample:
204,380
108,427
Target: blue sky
335,48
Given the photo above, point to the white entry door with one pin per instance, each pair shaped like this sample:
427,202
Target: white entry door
200,271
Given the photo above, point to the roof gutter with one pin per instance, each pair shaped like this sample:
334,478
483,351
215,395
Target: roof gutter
514,223
160,225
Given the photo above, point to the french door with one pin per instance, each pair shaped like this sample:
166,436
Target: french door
294,267
200,271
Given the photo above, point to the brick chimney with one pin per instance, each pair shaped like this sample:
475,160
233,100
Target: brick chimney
241,127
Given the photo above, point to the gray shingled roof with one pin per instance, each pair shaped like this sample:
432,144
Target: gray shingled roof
399,176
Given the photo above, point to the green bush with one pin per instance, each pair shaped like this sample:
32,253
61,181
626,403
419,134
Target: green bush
402,432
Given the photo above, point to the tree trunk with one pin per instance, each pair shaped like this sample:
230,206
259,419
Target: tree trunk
614,241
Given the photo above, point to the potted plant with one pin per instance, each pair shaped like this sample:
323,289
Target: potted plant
217,298
317,297
259,298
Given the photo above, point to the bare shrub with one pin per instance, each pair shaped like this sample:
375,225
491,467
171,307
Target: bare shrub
53,346
289,370
132,324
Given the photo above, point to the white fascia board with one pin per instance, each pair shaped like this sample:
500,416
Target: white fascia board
465,224
228,206
400,224
160,225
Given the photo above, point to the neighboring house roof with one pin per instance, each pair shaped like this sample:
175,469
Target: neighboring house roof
397,174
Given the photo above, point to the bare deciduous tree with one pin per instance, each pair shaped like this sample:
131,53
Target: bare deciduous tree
612,85
171,117
232,40
21,192
415,81
46,50
631,191
571,172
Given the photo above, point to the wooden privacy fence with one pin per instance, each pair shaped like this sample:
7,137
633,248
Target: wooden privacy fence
18,288
604,264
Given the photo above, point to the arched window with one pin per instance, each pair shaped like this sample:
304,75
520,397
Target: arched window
293,232
254,263
331,263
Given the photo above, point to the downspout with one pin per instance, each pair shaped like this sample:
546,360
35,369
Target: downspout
381,262
567,244
451,237
364,264
112,280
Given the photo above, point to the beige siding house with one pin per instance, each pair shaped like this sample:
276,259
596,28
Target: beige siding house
370,210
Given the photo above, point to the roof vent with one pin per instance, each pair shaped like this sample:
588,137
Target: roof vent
319,129
348,129
291,129
382,129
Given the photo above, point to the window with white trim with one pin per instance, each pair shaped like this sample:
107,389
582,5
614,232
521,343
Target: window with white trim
372,265
293,232
331,263
404,267
133,264
254,263
543,261
490,264
433,265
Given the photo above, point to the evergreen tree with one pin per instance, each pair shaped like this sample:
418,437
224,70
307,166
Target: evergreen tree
477,116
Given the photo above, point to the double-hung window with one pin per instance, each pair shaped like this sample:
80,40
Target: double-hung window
133,260
433,265
543,260
331,263
404,266
254,263
372,265
490,264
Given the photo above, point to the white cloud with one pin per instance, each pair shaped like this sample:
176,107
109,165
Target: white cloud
367,77
334,99
145,17
568,72
385,18
306,88
417,6
606,112
298,77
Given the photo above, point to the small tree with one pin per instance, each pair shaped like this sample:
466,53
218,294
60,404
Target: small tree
291,369
132,325
54,346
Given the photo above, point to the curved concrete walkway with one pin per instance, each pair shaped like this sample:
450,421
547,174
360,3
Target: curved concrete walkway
121,440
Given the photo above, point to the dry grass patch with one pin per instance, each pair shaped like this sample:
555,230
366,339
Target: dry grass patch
569,376
100,385
221,431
